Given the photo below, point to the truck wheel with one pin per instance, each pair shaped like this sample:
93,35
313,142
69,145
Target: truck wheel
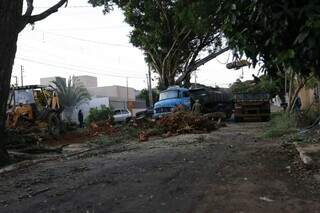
54,125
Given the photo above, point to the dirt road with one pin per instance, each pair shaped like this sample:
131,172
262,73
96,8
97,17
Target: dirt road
229,170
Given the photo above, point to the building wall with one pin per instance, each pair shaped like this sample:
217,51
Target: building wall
86,106
86,80
307,97
48,81
310,97
116,93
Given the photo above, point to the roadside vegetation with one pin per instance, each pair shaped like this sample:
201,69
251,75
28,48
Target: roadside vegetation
281,124
285,123
96,115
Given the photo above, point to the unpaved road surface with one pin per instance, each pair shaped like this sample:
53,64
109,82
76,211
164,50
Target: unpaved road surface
229,170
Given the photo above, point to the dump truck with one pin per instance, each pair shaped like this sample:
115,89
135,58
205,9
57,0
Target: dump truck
211,100
34,106
252,107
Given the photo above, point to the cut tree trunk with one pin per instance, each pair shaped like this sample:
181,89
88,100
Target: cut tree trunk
10,26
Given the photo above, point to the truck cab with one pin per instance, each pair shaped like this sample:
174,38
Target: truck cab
171,98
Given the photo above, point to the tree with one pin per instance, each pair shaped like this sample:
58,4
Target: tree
71,94
283,34
12,22
171,36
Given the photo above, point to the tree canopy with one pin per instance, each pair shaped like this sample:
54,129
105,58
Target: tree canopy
172,36
281,33
265,84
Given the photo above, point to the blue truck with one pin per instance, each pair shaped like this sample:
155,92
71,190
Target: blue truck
211,100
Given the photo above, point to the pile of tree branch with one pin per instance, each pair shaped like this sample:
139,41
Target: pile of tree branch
187,122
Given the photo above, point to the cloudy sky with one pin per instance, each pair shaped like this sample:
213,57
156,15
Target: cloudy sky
80,40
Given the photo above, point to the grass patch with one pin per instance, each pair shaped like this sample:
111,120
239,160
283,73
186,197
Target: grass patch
281,124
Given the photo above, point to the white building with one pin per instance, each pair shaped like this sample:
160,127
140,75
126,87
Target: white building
118,93
116,97
86,80
86,106
48,80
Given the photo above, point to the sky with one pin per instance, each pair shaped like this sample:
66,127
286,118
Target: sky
81,40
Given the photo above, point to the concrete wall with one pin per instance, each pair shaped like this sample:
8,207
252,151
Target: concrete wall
48,81
85,107
117,93
309,97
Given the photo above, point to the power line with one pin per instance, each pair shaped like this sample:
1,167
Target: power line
81,67
46,51
90,28
76,69
90,41
75,6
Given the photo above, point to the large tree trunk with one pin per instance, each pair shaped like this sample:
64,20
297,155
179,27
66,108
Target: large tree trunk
10,17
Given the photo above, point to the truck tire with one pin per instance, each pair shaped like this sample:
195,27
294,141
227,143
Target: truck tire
54,125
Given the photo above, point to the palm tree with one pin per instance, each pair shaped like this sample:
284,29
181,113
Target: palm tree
71,94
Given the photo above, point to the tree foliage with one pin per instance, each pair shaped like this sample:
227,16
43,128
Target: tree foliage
172,37
281,33
265,84
70,93
96,115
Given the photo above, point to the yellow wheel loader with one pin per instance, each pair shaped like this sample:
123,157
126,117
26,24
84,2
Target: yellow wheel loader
34,106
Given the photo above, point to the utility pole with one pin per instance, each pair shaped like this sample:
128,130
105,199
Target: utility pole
150,87
21,73
16,77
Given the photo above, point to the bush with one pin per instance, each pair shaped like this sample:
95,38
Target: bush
96,115
281,124
308,117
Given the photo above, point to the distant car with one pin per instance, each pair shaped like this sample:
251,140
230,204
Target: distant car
122,115
148,113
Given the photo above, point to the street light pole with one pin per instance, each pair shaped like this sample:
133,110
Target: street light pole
21,73
16,77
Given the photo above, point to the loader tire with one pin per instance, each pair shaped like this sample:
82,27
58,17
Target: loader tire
54,125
